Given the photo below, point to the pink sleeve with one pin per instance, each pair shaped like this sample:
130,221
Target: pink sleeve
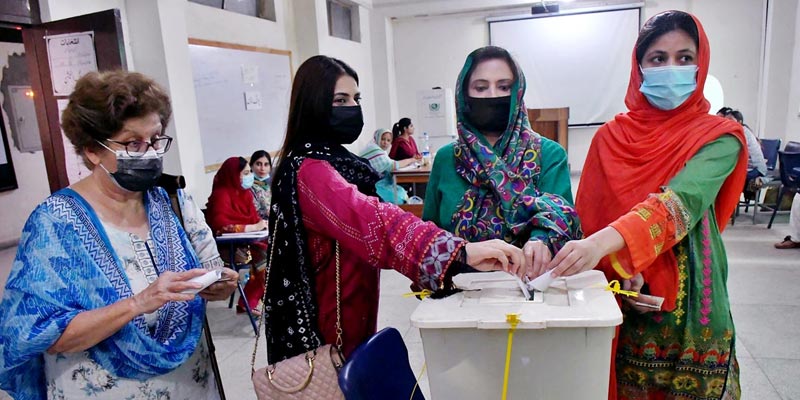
382,234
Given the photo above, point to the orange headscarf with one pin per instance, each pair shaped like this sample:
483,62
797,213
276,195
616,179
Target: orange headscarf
639,151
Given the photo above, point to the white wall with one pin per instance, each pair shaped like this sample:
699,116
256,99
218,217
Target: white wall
733,27
384,72
17,204
793,114
780,57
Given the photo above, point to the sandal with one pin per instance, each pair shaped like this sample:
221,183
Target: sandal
787,243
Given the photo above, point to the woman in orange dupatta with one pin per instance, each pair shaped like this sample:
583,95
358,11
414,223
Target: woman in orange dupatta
658,186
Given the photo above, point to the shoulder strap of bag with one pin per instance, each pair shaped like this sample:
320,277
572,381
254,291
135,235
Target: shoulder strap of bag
339,330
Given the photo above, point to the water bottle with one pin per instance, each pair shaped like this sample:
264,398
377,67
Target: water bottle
426,149
244,276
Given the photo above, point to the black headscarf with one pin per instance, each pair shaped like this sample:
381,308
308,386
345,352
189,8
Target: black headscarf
290,298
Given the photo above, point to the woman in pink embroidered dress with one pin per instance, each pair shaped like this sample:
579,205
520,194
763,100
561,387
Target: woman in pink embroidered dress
323,195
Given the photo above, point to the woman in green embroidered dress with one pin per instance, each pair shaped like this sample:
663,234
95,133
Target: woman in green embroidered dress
500,179
658,186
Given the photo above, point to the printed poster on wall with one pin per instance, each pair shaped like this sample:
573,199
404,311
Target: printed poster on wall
74,162
434,104
70,55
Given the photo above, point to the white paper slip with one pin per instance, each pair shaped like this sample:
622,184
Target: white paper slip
410,167
206,280
247,235
542,282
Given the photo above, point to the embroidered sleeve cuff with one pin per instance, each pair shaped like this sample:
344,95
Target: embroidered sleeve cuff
440,255
677,213
647,232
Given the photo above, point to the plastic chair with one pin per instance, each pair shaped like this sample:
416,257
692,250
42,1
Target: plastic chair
790,179
792,147
379,369
770,148
232,244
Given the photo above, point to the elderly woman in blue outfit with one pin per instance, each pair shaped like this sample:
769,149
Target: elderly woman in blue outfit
96,305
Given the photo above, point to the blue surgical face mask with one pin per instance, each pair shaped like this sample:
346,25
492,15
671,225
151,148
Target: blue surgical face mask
666,88
247,181
266,178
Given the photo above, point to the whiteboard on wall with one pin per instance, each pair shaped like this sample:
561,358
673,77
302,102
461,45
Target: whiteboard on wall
580,61
242,97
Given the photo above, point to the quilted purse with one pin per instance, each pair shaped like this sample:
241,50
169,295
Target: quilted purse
312,375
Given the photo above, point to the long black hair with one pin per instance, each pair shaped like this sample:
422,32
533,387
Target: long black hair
662,24
400,126
736,114
312,99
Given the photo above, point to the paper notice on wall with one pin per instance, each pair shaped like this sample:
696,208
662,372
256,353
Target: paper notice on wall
250,74
70,56
73,161
252,100
433,104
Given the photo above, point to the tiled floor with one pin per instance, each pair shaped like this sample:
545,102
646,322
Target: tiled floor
763,284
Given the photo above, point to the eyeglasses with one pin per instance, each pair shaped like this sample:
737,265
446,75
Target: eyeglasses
137,148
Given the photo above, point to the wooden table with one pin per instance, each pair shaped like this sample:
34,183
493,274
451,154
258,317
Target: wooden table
412,176
416,175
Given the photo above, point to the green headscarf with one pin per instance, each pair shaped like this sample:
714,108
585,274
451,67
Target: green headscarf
503,200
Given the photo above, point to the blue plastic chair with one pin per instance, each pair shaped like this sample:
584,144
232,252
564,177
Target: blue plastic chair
792,147
379,369
790,179
770,148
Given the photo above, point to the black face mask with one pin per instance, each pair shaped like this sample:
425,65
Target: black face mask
488,114
346,123
137,174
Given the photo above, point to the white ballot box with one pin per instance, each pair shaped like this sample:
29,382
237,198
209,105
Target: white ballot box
561,346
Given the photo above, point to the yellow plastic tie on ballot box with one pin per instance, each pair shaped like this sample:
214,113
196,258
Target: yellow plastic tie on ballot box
614,287
422,294
513,320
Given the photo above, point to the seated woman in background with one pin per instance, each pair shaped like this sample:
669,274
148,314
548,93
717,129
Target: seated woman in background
403,145
261,165
375,153
500,179
231,208
756,164
95,304
326,218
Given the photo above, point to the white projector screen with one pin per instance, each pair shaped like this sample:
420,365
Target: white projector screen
580,61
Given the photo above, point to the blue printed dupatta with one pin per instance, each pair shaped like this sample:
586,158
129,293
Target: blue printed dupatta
65,265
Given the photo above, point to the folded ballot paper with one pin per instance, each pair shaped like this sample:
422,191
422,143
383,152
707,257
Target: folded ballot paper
206,280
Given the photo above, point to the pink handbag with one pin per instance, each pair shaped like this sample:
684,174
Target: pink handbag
312,375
